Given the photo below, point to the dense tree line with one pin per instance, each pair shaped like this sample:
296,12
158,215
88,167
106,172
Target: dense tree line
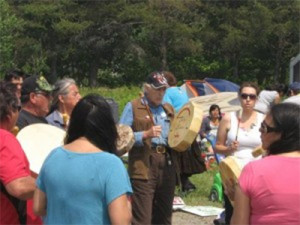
117,42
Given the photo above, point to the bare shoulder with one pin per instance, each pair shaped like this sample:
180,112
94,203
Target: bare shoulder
226,117
225,122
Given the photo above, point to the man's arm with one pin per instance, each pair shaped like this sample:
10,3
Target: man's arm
21,188
39,202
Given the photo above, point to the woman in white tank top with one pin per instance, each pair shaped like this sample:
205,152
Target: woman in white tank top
247,138
239,134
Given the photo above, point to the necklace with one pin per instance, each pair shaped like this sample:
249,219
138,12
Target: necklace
215,123
250,123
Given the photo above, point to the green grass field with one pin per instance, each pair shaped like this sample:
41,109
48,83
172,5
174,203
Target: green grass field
121,95
203,182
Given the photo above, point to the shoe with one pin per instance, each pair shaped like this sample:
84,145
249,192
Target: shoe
219,222
188,187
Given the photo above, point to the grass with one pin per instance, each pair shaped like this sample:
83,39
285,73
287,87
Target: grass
203,182
121,95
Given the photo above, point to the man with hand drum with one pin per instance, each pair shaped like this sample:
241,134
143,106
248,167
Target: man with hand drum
151,162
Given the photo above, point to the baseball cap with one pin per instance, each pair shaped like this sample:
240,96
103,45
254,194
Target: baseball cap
35,84
295,86
157,80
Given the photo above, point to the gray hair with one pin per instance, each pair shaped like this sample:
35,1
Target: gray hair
61,87
145,87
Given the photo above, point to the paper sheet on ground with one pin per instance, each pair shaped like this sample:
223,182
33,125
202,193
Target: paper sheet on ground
200,210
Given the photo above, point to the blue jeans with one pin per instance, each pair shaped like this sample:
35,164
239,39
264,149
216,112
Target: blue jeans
212,140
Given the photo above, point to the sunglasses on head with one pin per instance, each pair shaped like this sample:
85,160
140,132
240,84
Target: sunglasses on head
43,93
246,96
265,128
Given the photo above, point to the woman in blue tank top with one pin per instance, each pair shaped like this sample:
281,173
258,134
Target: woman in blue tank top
82,182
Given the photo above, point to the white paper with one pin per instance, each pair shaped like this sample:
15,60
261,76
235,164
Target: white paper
201,210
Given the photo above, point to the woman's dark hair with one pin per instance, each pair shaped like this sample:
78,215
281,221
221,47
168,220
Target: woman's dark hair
286,120
213,107
14,74
92,118
249,84
280,88
8,99
171,79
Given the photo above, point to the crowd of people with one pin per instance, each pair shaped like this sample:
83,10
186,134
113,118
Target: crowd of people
85,182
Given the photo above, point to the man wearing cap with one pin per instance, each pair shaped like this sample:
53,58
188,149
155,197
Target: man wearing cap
294,90
151,162
35,99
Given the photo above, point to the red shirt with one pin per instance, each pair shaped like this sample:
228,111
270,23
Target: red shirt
13,165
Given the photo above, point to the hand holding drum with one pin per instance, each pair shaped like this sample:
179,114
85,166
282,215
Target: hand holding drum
230,170
234,146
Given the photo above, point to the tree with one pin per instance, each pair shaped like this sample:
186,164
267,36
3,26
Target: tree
10,26
120,42
166,34
48,28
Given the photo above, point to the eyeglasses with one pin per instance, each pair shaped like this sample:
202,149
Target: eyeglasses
246,96
265,128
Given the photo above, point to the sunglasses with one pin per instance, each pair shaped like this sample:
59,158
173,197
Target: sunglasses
265,128
246,96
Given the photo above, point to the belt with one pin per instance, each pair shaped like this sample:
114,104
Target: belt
159,149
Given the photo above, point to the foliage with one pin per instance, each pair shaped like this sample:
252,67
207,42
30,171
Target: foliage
9,27
119,42
203,183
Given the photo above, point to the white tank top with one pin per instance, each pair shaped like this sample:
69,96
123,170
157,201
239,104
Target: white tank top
248,139
214,129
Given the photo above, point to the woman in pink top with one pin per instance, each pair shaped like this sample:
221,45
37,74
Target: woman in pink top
269,189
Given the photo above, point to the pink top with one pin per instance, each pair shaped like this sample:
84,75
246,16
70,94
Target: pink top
273,186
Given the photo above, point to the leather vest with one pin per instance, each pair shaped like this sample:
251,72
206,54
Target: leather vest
139,157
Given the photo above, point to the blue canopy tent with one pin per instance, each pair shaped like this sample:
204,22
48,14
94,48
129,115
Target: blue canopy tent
208,86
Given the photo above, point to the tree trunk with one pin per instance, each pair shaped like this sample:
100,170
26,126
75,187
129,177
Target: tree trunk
163,50
277,65
93,74
53,69
236,66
